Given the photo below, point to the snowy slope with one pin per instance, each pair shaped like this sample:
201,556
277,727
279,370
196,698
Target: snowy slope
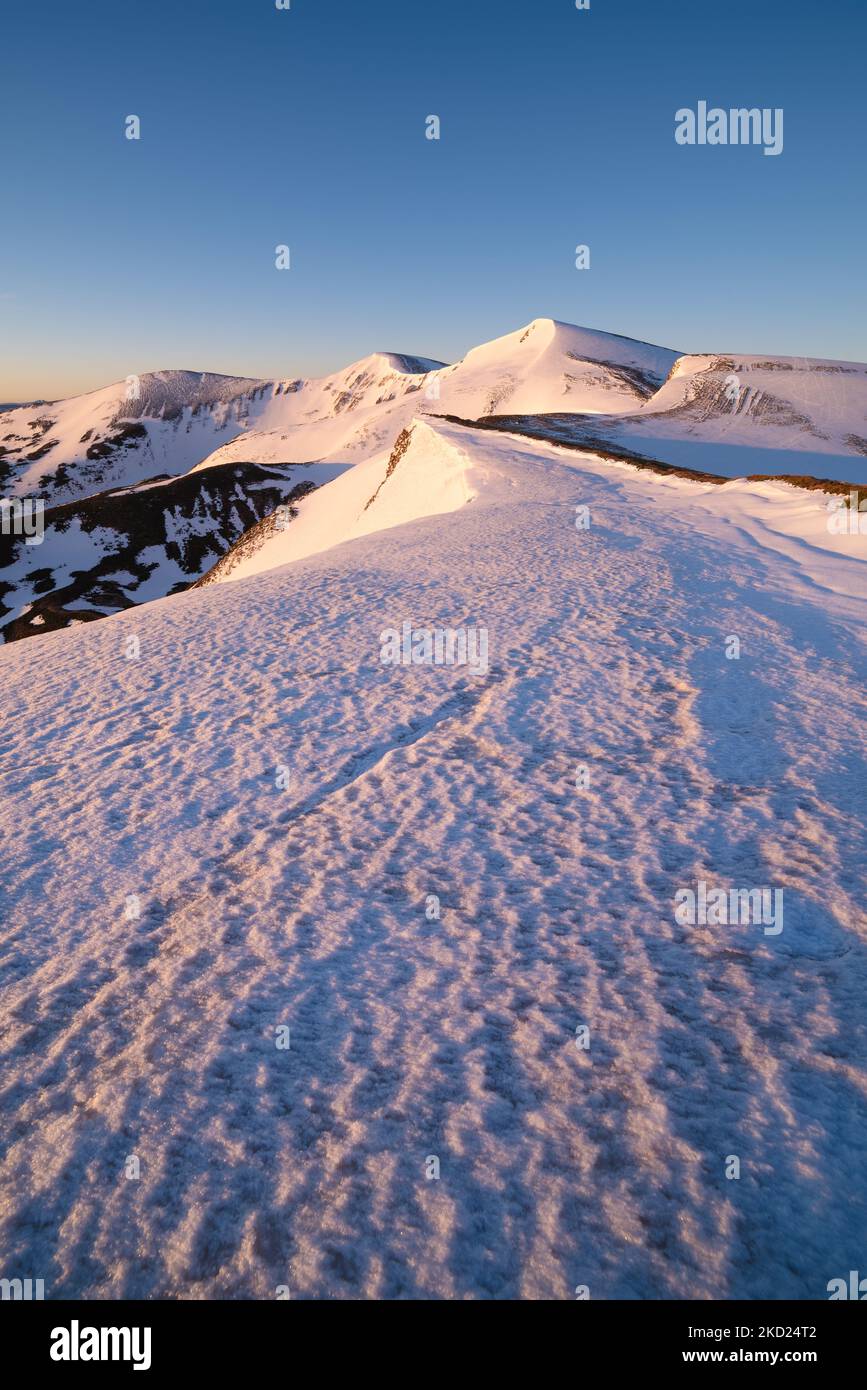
731,416
809,411
426,473
790,414
171,421
725,416
278,805
437,466
62,450
792,395
155,430
735,416
549,366
121,548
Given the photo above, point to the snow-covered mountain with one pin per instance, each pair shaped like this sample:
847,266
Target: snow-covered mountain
152,482
748,408
169,422
166,423
544,366
159,423
735,416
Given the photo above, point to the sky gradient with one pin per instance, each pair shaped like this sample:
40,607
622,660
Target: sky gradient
307,127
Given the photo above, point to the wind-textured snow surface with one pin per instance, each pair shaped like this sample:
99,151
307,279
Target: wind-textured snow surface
304,906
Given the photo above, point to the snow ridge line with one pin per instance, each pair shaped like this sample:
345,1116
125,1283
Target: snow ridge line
554,429
401,444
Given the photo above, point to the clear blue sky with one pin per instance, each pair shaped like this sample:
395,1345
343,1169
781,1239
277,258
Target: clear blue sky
306,127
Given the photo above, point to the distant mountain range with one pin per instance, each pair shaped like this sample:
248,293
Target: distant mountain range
150,482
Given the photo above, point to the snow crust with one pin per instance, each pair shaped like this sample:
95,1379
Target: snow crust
264,905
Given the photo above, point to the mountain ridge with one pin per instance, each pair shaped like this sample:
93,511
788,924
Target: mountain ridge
178,446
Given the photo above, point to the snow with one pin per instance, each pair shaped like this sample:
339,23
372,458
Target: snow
544,366
65,549
432,476
305,906
732,416
345,417
729,460
786,415
551,366
202,405
444,467
739,415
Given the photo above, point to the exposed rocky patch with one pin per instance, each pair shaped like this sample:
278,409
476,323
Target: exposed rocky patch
401,444
643,383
